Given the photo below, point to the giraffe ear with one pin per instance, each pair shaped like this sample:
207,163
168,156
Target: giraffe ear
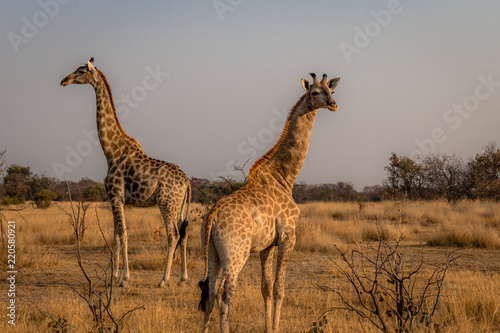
90,66
332,84
305,84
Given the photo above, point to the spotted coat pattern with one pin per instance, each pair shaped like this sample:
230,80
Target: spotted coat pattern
135,178
261,216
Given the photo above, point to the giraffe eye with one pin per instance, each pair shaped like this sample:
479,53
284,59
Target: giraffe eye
315,93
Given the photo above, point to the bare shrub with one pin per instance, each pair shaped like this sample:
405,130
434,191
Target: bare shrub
97,290
77,215
391,291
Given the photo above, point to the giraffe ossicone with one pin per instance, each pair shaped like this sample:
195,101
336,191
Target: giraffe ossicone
261,216
134,177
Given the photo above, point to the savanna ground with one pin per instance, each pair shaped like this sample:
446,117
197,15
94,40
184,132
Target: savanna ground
45,261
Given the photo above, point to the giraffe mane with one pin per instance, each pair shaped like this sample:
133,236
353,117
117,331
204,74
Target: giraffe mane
267,156
108,88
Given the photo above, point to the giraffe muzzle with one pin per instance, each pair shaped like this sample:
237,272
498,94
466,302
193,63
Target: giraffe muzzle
332,106
65,81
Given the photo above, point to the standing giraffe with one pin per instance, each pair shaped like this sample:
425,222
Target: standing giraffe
135,178
261,215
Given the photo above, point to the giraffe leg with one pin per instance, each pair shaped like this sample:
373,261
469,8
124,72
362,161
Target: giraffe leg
228,286
124,242
228,291
116,254
284,251
214,268
172,238
120,240
266,259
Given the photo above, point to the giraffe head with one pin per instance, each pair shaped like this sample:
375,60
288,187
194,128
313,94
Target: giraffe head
83,74
320,93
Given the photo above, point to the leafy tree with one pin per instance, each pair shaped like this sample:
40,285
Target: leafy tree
374,192
17,182
38,183
340,191
483,174
95,193
213,191
197,184
404,176
444,175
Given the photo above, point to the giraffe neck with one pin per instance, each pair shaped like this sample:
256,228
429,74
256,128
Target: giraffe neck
284,161
113,139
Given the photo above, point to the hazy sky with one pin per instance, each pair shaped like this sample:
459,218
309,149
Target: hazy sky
204,83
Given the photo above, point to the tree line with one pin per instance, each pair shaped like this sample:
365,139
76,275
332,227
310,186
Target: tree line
430,177
437,176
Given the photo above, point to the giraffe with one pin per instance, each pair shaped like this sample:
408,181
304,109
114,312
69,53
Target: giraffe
135,178
261,216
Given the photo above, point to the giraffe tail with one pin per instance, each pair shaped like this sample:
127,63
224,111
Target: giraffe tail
203,284
205,292
182,233
183,215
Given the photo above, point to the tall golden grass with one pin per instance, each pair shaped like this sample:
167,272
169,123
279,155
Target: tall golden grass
46,246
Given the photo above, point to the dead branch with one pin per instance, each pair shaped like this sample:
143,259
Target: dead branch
97,290
389,289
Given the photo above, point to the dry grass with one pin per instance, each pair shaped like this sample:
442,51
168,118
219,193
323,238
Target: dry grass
45,255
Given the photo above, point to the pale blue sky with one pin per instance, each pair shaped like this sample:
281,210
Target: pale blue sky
233,75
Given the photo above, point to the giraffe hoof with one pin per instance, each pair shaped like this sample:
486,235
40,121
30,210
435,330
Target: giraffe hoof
123,284
182,282
162,284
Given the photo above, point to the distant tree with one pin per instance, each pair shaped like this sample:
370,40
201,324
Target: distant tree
95,193
482,178
211,192
299,192
76,188
17,183
196,185
444,175
43,199
38,183
374,193
340,191
404,176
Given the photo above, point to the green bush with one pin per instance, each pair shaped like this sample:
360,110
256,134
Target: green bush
44,198
12,200
95,193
